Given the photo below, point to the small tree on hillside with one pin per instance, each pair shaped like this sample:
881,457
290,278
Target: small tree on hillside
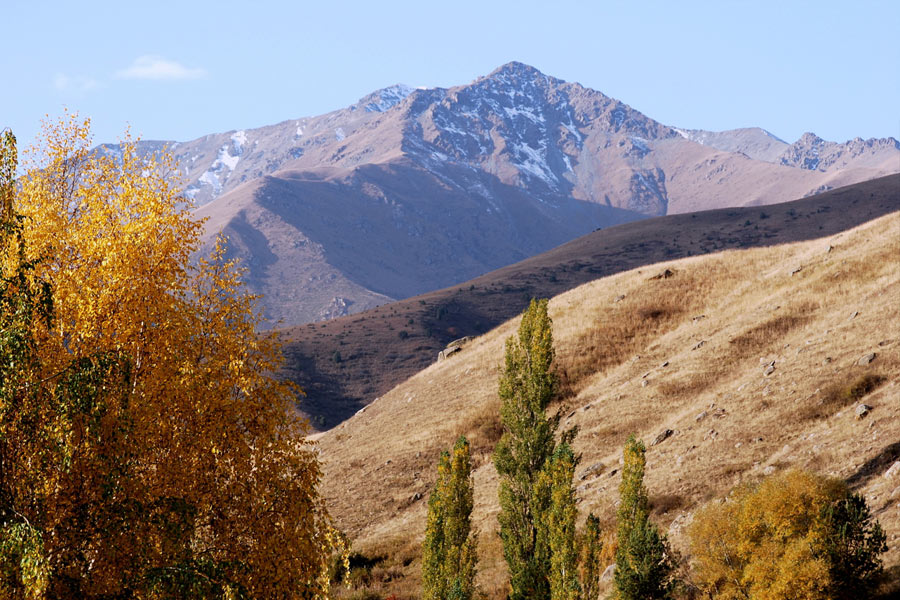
589,558
556,530
527,384
795,535
643,564
449,558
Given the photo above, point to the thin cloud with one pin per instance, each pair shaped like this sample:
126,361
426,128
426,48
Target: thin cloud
156,68
80,85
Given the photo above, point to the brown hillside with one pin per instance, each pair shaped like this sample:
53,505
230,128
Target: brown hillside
745,355
345,363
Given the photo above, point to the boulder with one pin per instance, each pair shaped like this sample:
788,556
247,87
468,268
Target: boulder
864,360
448,352
862,410
893,471
665,274
663,436
609,573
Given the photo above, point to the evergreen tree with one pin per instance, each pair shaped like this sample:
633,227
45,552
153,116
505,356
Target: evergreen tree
527,385
643,565
589,559
449,560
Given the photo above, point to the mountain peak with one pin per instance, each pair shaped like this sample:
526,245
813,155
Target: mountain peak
514,68
384,99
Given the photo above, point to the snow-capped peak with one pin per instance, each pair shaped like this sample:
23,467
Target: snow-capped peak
385,99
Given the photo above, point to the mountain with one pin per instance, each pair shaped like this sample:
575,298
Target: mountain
346,363
410,190
730,368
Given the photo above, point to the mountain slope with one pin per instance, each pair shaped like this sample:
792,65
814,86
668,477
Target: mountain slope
345,363
723,353
410,190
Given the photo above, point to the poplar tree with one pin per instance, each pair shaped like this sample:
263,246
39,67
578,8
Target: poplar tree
589,559
557,527
449,557
643,565
527,384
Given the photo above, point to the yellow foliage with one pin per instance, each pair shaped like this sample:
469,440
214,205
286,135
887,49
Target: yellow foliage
769,541
208,425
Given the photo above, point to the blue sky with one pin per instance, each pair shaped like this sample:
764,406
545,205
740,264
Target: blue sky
179,70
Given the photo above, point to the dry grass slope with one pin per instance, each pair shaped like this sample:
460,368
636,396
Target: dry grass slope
752,358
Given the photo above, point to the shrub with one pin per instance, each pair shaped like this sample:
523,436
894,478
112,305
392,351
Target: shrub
794,536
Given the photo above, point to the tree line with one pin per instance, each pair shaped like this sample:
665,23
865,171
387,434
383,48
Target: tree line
792,536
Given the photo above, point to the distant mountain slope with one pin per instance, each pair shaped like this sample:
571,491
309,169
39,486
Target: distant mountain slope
730,368
345,363
410,190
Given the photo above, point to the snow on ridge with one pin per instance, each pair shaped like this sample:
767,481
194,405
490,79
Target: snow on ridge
339,134
238,139
384,100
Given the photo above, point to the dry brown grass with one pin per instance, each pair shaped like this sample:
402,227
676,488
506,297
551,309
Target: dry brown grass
841,393
638,365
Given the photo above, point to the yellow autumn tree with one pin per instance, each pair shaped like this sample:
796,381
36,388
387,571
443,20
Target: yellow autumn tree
795,535
185,472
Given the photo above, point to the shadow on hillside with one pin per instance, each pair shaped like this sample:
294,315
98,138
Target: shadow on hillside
875,466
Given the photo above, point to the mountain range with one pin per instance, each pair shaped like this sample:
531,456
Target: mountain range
412,190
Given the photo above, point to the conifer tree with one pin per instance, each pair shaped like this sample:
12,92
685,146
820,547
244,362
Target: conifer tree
449,560
527,384
643,565
589,558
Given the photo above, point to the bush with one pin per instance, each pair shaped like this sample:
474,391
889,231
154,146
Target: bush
793,536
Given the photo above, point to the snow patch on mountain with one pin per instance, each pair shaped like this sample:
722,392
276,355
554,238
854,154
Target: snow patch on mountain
386,99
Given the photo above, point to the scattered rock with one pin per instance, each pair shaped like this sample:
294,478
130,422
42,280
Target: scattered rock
829,249
571,414
416,497
619,298
645,375
866,359
711,435
698,318
884,343
613,472
664,274
769,470
893,471
758,439
701,416
663,436
609,573
595,468
855,314
862,410
645,383
698,345
769,370
795,271
827,360
665,364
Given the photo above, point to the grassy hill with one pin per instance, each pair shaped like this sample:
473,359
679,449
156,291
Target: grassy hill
345,363
745,355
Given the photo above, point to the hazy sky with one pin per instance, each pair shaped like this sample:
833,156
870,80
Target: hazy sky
178,70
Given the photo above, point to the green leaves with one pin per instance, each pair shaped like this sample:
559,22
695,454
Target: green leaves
450,551
643,562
